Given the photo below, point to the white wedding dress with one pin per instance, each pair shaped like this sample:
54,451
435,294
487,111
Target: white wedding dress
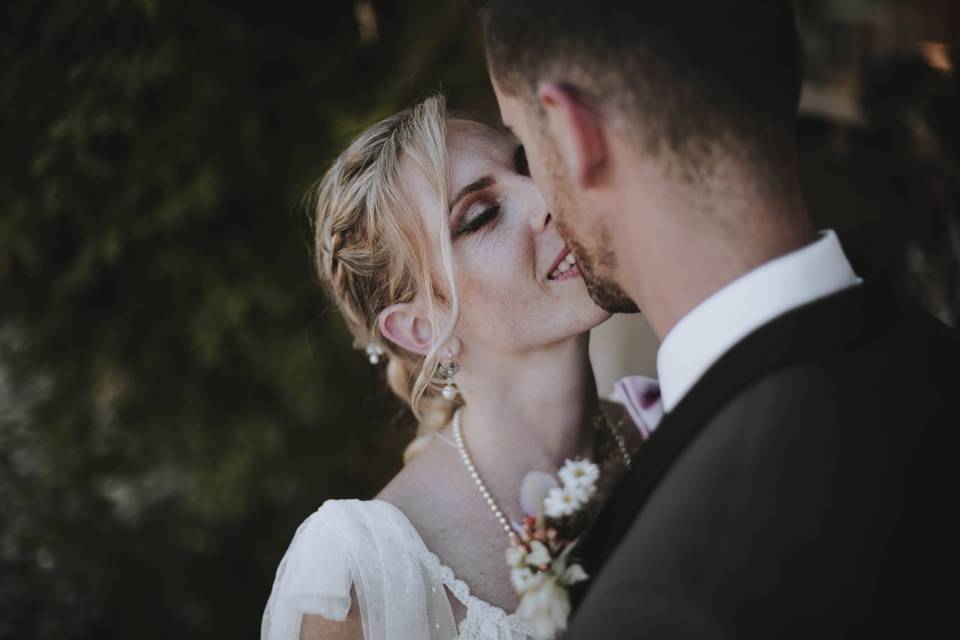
400,585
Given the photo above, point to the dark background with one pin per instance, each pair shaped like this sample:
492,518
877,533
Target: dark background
174,396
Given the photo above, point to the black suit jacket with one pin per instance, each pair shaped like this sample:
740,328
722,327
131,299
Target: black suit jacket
804,488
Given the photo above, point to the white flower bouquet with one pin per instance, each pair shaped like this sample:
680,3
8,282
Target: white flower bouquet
541,569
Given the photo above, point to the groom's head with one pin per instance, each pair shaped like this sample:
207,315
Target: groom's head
607,95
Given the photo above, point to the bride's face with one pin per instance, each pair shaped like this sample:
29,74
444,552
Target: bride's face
517,290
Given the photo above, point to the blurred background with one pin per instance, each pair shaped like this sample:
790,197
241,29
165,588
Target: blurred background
175,396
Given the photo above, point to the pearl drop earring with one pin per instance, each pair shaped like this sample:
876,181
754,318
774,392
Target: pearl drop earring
447,370
374,353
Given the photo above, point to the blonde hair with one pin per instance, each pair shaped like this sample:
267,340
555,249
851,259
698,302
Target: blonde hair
371,249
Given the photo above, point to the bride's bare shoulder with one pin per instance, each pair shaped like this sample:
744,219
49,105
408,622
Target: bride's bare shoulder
412,491
432,473
314,627
437,495
434,491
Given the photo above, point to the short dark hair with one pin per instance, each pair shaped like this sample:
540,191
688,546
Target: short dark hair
696,71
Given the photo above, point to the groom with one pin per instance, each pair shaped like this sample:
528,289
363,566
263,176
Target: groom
802,481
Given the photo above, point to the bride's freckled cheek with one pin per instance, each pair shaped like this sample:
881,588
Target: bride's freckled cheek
500,305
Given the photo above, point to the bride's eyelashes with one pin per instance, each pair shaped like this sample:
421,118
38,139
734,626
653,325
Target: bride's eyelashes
520,161
477,218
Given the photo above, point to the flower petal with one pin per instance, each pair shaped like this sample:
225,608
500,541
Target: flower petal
524,579
539,556
574,574
516,555
546,607
534,489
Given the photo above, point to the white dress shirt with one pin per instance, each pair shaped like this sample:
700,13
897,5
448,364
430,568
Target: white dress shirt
749,302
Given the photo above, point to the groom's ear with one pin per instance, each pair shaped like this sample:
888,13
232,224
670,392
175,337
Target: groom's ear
406,326
577,127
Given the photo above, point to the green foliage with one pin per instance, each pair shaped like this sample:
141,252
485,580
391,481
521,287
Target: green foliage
174,395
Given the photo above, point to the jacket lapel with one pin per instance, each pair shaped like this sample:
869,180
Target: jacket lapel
820,327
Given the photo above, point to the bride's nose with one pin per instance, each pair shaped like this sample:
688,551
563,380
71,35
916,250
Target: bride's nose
539,213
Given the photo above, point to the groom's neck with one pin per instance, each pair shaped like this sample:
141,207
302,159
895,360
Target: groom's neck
680,253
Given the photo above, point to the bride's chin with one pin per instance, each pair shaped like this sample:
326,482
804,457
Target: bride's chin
590,318
594,316
587,310
602,316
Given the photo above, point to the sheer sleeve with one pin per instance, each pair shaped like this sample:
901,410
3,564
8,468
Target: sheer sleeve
371,547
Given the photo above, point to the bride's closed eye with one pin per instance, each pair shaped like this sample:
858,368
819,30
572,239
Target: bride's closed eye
479,216
481,213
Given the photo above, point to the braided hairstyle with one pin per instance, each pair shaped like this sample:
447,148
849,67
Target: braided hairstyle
371,249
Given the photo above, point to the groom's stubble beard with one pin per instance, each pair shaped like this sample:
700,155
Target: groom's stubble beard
597,264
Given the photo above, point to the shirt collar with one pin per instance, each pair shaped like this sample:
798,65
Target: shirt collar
752,300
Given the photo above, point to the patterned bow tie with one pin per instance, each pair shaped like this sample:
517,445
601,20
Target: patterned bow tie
641,397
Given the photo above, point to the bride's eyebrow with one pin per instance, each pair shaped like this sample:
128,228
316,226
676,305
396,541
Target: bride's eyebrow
473,187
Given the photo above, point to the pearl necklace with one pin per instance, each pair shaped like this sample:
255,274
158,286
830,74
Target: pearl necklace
485,492
468,463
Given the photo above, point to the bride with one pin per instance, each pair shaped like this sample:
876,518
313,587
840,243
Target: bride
445,263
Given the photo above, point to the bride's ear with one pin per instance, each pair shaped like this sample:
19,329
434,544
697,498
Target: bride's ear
406,326
578,129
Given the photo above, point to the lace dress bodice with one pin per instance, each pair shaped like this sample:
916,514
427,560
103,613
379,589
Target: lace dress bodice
401,586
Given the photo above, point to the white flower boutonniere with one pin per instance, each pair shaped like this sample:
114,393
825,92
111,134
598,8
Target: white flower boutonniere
541,570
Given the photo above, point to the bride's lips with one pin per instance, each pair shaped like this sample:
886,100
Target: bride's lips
556,263
566,259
